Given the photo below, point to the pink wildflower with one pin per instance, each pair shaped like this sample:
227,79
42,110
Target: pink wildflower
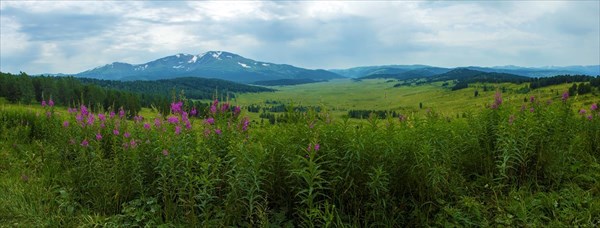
84,143
51,103
236,110
43,103
582,112
177,129
224,107
209,120
79,118
176,107
565,96
147,126
218,131
194,112
66,123
116,132
112,115
101,117
317,147
157,122
590,117
84,110
245,124
98,136
531,109
594,107
165,152
213,109
121,113
173,120
126,135
90,120
497,100
184,116
532,99
133,143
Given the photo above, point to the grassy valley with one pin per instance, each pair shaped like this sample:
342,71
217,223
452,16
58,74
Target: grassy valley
504,157
299,114
339,96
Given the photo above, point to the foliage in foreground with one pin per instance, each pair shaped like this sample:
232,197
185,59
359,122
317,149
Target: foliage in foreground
535,166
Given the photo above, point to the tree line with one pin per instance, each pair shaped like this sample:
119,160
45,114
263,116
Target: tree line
67,91
195,88
534,83
363,114
560,79
98,94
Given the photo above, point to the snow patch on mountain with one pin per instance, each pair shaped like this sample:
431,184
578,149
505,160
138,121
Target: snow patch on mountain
140,67
193,60
217,54
265,64
244,65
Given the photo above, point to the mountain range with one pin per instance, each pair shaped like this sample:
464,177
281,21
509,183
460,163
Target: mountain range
212,64
425,70
233,67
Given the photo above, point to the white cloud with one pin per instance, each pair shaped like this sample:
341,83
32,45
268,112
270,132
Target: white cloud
73,36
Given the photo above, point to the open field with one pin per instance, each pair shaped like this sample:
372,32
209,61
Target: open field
339,96
495,167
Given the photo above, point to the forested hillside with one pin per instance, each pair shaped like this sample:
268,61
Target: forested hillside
107,95
195,88
69,91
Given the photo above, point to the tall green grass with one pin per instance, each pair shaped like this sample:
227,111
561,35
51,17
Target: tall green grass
504,166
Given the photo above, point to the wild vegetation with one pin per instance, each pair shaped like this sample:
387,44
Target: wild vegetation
194,87
536,165
103,94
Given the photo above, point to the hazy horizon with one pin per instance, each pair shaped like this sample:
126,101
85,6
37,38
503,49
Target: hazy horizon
71,37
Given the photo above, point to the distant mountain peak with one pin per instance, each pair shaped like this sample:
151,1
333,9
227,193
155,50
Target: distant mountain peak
210,64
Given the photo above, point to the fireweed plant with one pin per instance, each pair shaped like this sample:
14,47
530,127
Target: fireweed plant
534,165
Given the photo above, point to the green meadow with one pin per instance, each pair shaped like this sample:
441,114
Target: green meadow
503,158
339,96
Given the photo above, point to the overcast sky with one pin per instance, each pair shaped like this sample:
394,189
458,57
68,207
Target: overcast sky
73,36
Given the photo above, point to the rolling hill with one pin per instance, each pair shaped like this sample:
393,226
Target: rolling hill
358,72
411,74
193,87
408,71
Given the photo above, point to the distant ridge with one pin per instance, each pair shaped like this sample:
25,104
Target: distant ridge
212,64
195,88
403,71
233,67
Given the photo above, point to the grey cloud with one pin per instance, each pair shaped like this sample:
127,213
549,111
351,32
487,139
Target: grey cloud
436,33
60,26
